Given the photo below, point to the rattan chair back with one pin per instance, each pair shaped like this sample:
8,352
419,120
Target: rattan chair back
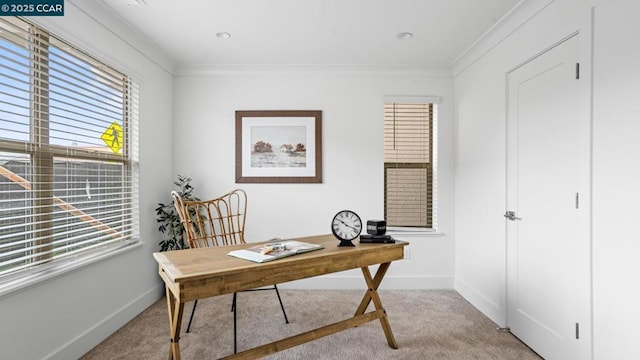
215,222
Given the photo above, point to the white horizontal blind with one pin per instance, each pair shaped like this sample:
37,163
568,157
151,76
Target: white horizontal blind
68,152
408,164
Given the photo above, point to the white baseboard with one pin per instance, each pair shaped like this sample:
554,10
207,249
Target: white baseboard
357,282
79,346
492,309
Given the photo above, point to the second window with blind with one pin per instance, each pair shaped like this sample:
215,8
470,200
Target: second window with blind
409,158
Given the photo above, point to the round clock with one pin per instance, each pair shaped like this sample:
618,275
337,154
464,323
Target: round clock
346,226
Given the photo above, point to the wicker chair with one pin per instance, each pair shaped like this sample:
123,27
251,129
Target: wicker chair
217,222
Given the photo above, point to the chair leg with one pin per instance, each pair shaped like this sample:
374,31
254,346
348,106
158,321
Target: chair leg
233,302
235,318
235,328
286,320
191,317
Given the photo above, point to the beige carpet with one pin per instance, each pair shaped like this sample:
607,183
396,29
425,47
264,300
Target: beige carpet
427,324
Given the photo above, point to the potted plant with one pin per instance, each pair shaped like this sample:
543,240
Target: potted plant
168,218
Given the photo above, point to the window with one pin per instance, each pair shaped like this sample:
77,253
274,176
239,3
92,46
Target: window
68,153
409,158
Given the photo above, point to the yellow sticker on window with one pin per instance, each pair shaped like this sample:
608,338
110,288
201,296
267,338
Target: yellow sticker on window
112,136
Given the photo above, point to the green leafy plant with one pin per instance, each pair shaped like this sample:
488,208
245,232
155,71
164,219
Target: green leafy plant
168,218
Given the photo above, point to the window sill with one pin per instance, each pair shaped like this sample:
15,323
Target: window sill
411,232
23,281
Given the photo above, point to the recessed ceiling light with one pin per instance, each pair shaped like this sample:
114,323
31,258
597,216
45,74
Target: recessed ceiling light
223,35
404,35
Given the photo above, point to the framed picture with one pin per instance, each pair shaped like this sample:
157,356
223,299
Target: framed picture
279,146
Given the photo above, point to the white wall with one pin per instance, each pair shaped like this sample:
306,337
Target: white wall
66,316
616,179
351,102
480,163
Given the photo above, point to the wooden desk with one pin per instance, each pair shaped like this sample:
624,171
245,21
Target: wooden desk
200,273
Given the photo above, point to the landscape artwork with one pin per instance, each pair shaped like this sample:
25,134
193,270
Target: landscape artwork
278,146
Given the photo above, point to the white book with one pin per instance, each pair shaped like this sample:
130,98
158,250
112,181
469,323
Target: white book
274,250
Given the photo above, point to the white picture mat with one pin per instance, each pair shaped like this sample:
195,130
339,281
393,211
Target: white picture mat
247,146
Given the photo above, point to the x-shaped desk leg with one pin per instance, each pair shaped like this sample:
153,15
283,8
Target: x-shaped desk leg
372,294
176,309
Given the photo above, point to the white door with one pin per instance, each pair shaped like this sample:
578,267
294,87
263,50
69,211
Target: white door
546,246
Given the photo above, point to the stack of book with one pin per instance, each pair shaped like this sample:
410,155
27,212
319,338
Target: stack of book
376,239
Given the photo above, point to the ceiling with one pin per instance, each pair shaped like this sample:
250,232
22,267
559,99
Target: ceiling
312,32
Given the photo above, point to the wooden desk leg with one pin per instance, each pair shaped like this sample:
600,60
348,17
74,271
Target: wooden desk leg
176,310
372,294
382,270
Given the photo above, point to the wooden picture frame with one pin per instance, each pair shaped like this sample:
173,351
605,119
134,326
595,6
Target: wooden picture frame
278,146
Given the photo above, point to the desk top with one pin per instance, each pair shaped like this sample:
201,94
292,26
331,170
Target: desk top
182,269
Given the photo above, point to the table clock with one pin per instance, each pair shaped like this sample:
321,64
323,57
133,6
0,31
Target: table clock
346,226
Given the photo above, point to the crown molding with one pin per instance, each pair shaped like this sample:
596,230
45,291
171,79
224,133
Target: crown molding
308,70
524,11
113,23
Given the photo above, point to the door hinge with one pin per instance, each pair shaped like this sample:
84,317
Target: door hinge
577,70
577,200
577,330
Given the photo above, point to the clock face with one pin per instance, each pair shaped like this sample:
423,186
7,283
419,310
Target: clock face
346,225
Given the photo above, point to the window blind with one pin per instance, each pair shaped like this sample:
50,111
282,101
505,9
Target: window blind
408,164
68,152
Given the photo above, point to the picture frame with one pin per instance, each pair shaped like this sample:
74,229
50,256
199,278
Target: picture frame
278,146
